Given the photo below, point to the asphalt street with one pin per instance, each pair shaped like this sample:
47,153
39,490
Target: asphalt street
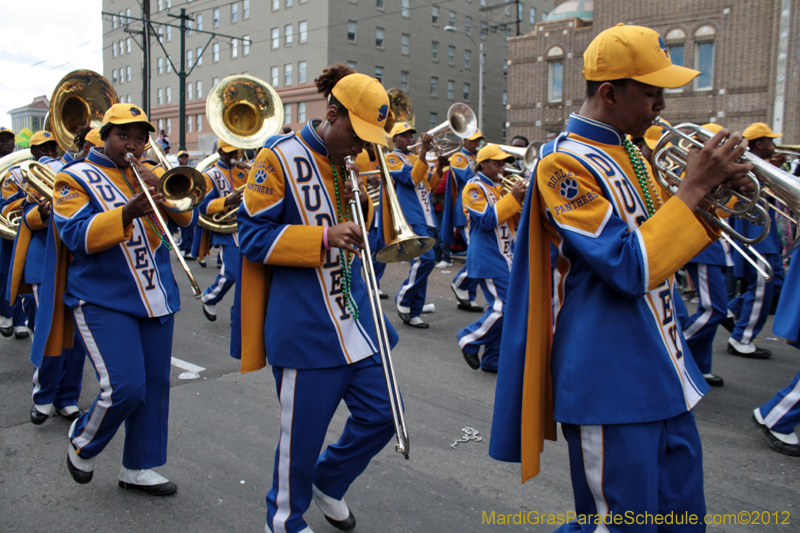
224,427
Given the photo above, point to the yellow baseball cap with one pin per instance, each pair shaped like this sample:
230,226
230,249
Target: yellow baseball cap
127,114
492,151
225,147
633,52
402,127
367,103
94,137
756,131
475,136
3,129
653,134
713,127
41,137
184,152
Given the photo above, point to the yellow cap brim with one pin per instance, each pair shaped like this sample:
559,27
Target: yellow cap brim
670,77
774,135
228,149
475,136
367,132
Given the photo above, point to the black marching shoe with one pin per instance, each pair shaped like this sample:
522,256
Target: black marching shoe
348,524
728,323
211,317
162,489
777,444
71,413
472,360
759,353
21,332
714,381
472,307
6,331
330,506
74,461
147,481
37,417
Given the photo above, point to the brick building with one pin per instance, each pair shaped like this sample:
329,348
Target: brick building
748,53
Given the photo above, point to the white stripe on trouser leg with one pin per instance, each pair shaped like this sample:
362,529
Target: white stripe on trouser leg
35,288
283,499
783,406
36,385
497,312
222,279
103,404
592,447
705,302
461,278
758,303
412,279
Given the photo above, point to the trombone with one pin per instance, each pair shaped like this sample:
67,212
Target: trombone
384,347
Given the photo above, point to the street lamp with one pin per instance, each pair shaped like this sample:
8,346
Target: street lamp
480,73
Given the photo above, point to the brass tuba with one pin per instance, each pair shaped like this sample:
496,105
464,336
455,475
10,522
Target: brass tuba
81,98
10,224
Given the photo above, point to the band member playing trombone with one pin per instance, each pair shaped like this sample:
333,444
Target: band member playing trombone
414,181
613,369
303,304
122,297
491,221
223,181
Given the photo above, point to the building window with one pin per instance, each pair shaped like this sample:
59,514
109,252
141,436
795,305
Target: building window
404,80
467,58
190,26
169,64
289,3
276,38
235,12
114,22
160,36
169,126
160,67
434,51
169,95
246,46
505,98
276,4
128,45
114,77
434,86
451,55
288,35
189,123
466,92
160,98
302,29
434,120
532,17
380,4
352,64
189,91
451,18
676,54
215,53
215,14
352,28
214,82
704,62
451,89
274,76
189,58
114,49
199,86
287,113
287,74
554,81
544,15
435,15
301,112
159,7
160,124
199,123
405,9
128,72
245,10
199,21
468,25
169,33
379,38
484,29
234,48
301,72
199,57
379,74
404,40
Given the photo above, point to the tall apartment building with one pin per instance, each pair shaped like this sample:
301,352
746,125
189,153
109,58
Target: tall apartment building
748,54
400,42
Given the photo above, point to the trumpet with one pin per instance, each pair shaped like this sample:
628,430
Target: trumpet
768,182
384,347
460,121
511,176
175,181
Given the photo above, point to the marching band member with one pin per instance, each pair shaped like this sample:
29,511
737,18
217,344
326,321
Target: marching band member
7,140
414,182
300,251
491,224
222,182
187,233
620,387
462,169
778,417
520,141
752,307
56,380
122,296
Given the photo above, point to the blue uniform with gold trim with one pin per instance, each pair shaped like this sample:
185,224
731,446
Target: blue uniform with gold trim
462,169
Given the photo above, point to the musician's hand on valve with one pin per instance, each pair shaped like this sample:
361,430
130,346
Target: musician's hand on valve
347,236
778,159
138,206
234,198
425,139
149,178
716,163
44,209
518,191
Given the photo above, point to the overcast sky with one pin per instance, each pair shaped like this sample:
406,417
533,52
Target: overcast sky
42,40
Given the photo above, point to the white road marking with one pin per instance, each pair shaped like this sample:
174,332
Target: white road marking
192,371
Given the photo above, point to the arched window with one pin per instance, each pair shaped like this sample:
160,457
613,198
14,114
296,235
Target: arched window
704,57
676,41
555,74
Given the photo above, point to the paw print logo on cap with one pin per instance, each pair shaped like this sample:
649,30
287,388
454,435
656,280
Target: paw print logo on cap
261,175
135,112
569,188
382,112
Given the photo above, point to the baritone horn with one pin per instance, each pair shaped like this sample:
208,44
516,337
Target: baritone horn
461,122
81,98
769,182
528,155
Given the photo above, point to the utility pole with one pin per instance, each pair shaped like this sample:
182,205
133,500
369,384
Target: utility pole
146,57
182,75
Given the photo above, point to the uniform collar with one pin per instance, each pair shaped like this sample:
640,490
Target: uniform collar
68,157
314,141
222,165
467,153
594,130
97,157
44,159
485,179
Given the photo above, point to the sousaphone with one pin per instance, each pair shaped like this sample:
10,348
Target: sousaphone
81,98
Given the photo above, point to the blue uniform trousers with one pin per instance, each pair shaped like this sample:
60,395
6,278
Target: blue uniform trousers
411,296
58,380
462,281
752,307
700,328
487,330
229,257
131,357
187,238
309,398
782,413
15,311
652,467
